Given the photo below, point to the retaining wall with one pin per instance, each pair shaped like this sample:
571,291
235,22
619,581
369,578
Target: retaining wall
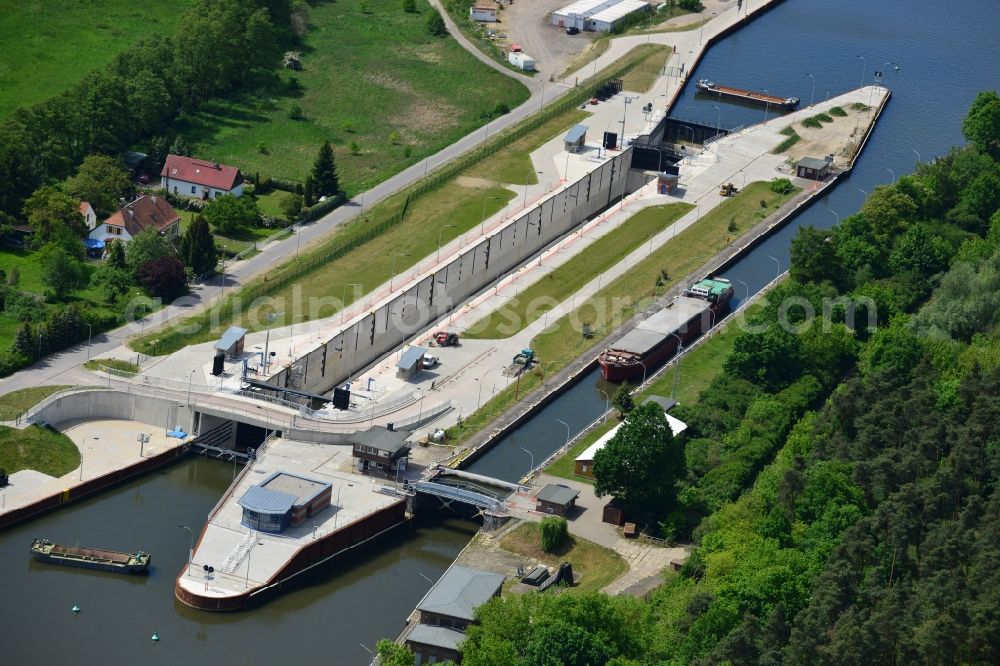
418,305
112,404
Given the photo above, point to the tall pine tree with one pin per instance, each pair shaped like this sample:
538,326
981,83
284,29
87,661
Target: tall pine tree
198,247
325,172
116,255
23,342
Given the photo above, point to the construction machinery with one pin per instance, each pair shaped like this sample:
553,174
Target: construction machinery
728,190
522,361
445,339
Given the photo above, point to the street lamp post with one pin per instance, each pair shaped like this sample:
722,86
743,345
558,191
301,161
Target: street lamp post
891,173
191,547
864,65
90,331
224,270
718,120
440,231
643,371
835,214
394,257
271,317
343,298
778,264
567,431
532,458
745,286
249,553
677,367
607,404
767,104
82,445
913,150
143,439
190,382
628,99
479,399
812,93
482,226
862,192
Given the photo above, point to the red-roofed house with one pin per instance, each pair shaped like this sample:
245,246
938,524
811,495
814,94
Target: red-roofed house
146,212
191,177
89,216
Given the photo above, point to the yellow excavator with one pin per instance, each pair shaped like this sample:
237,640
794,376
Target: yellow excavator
728,190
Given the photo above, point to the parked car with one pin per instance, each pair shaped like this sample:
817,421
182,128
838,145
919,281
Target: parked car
572,30
430,360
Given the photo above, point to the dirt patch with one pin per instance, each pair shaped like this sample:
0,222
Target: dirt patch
840,137
526,22
429,118
384,80
475,183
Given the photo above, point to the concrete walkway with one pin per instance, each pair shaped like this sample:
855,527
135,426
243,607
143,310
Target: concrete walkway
105,446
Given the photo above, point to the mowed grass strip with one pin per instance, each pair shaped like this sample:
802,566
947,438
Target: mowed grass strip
557,286
562,341
45,47
642,78
512,164
39,449
597,565
447,212
16,402
372,76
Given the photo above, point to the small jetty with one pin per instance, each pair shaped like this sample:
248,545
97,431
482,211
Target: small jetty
711,88
90,558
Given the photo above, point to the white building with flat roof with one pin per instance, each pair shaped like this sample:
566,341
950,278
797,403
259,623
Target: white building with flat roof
605,20
576,14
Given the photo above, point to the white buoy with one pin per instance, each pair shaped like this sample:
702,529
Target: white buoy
156,637
76,608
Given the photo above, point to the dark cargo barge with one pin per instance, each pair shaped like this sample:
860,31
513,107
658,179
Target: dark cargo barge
711,88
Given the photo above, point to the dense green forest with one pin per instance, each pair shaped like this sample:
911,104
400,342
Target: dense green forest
841,475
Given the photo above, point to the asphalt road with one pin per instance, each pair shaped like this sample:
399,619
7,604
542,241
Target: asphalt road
64,367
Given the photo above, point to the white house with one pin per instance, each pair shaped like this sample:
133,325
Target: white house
89,216
483,12
148,211
191,177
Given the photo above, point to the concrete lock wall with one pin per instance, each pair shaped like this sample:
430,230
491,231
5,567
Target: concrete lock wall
116,405
379,332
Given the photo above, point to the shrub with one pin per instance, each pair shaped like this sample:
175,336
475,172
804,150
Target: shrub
823,118
295,112
837,111
435,24
860,106
554,532
781,186
811,122
410,6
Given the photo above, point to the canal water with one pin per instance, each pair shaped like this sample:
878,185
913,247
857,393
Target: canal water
355,604
946,51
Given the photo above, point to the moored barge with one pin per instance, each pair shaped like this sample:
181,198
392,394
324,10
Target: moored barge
712,88
90,558
658,337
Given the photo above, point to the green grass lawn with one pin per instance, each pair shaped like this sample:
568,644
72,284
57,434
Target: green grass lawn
366,75
561,342
30,281
369,265
512,164
15,402
557,286
642,78
40,449
97,364
597,565
45,47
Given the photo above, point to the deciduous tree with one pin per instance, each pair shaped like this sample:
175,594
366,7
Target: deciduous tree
641,464
145,246
61,272
164,277
228,213
101,181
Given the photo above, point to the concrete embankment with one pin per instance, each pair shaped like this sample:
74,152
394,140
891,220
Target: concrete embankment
527,406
